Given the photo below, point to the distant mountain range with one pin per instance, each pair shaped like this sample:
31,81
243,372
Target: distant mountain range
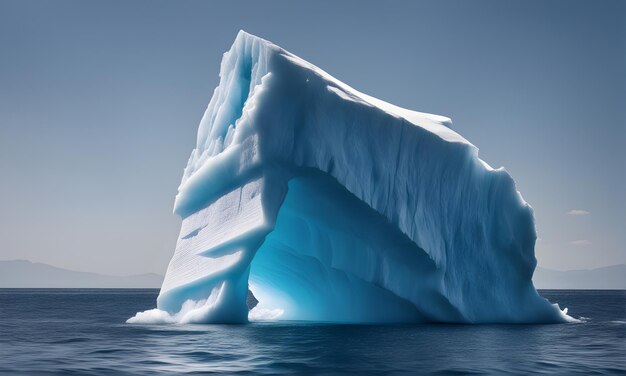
27,274
608,277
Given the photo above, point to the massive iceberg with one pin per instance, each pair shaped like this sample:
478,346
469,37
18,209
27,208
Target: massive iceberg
334,206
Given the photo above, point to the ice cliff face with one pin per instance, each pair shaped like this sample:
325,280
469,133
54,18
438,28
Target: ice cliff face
331,205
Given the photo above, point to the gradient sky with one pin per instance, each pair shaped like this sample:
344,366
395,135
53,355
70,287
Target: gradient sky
100,102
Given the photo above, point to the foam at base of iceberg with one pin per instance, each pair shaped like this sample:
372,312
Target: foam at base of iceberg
331,205
199,312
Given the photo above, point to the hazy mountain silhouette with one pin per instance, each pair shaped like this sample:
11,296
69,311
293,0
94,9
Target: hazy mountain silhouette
608,277
26,274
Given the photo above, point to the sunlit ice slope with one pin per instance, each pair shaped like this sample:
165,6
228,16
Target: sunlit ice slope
331,205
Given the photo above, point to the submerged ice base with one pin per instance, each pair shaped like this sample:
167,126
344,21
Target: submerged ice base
331,205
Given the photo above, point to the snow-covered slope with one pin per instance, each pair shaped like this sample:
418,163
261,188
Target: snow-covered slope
332,205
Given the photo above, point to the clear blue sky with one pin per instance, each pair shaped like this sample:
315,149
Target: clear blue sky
100,102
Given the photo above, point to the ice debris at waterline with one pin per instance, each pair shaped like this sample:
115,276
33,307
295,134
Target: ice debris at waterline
334,206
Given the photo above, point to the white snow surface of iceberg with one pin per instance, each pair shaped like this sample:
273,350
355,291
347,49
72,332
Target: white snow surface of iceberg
334,206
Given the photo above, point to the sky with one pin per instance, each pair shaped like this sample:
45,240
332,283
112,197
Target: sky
100,103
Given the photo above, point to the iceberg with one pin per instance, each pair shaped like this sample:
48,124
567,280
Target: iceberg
330,205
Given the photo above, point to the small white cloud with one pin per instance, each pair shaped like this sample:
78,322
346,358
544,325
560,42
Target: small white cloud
580,242
578,212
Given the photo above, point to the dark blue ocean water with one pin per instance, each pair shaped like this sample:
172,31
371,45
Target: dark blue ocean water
83,332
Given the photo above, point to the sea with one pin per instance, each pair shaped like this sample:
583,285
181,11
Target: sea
83,332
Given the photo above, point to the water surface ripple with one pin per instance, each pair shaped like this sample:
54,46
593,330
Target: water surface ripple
80,331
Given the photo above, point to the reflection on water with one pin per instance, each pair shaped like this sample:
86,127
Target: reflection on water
83,332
